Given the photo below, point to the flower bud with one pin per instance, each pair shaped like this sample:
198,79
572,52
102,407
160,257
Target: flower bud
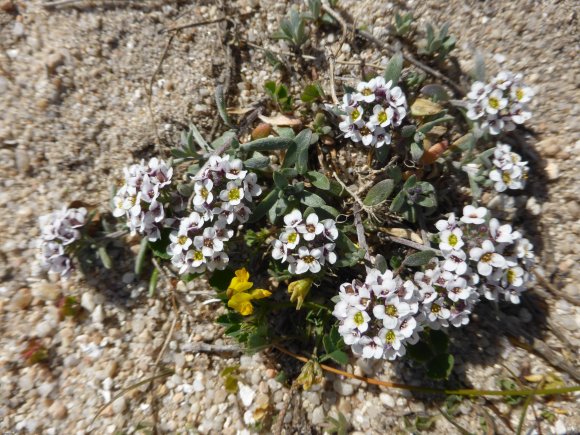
311,374
299,290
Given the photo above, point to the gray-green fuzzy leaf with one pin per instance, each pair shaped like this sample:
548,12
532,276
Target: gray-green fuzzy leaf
379,193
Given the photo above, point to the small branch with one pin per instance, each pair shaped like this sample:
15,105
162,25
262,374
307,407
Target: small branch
555,290
412,244
280,421
360,231
354,195
56,4
409,58
214,348
331,61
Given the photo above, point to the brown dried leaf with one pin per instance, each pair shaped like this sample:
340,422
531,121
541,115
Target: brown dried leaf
404,233
281,120
424,107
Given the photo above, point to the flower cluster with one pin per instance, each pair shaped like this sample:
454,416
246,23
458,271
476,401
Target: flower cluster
500,255
379,317
510,170
306,244
59,230
139,197
501,104
480,258
220,197
372,112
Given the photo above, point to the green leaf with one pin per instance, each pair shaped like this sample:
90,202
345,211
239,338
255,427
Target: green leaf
419,258
223,139
411,182
339,357
440,367
312,93
479,67
312,200
426,128
303,141
267,144
258,161
394,68
416,151
394,173
221,106
420,352
326,211
379,193
280,181
439,341
153,282
198,137
437,92
220,279
104,256
140,260
408,131
381,263
428,202
398,202
263,207
159,247
318,179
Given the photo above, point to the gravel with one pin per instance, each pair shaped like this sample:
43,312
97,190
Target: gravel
75,81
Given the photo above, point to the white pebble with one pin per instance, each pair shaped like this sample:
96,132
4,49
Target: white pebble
119,405
342,387
247,394
318,415
387,400
98,315
88,301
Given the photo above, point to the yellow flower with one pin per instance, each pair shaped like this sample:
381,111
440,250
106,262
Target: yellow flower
239,298
299,290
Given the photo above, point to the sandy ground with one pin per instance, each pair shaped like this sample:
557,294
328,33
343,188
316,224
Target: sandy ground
75,108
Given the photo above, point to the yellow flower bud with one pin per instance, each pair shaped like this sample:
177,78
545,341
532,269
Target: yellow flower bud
299,290
311,374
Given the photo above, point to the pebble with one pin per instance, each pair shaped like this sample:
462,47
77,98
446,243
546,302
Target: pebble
98,315
21,299
318,415
119,405
53,61
58,410
533,206
342,387
112,369
22,161
552,170
387,400
573,289
88,301
46,291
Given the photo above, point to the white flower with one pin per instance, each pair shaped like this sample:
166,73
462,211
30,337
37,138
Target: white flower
380,283
293,219
233,194
355,115
437,311
160,172
502,233
203,193
307,260
495,102
519,113
208,243
407,326
472,215
366,92
392,338
381,137
458,289
222,232
477,91
195,260
487,258
366,134
357,319
279,250
330,231
396,98
251,186
235,170
191,223
455,262
382,116
507,179
369,347
390,312
521,93
179,243
311,228
513,277
525,250
451,240
494,124
328,253
449,224
290,237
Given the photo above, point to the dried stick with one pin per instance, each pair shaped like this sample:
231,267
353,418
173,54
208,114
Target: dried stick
360,231
280,422
215,348
411,244
556,291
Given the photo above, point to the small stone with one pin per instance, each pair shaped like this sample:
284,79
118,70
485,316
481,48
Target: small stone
88,301
570,322
552,171
44,329
387,400
22,161
128,278
318,415
21,299
46,291
573,289
119,405
98,315
53,61
566,265
550,147
112,369
7,6
342,387
198,383
246,394
58,410
574,209
533,207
